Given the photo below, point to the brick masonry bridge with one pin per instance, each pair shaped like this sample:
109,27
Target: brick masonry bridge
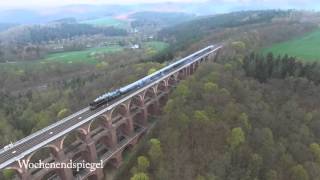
106,133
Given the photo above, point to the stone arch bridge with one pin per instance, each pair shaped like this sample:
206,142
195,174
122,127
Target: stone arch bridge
104,134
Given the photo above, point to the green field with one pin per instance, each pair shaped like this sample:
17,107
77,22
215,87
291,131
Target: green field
154,47
306,48
107,21
87,56
157,45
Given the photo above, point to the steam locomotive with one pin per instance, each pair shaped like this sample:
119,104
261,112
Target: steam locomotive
110,96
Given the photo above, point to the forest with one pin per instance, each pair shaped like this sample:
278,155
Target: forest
159,18
239,120
28,42
256,28
23,112
43,33
192,31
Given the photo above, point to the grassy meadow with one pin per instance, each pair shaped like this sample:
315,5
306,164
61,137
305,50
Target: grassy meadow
87,56
107,21
306,48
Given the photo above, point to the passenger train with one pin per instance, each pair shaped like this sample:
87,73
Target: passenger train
110,96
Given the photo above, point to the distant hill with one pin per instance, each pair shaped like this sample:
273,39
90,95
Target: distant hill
107,21
78,12
160,18
42,33
65,20
84,11
191,31
6,26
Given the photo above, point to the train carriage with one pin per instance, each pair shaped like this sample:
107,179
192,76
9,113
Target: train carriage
110,96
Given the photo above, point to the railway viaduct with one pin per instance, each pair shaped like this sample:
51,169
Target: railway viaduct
105,134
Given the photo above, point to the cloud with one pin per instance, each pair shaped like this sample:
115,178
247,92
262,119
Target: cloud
54,3
274,2
281,4
254,3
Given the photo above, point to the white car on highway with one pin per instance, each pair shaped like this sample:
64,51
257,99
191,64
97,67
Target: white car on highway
9,146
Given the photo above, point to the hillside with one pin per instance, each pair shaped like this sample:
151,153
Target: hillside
192,31
221,124
107,22
305,48
159,18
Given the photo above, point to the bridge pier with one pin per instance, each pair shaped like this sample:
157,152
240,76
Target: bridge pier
157,106
22,172
118,157
144,117
114,140
25,175
91,149
184,73
129,121
99,173
66,173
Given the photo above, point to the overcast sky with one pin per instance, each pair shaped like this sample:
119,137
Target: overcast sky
52,3
13,4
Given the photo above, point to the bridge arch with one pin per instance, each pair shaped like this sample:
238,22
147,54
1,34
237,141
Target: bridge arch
98,122
40,154
16,170
114,162
122,132
182,74
150,95
136,113
172,80
150,92
110,168
72,140
126,151
197,63
91,177
192,68
103,145
52,174
162,86
45,154
136,101
120,110
84,129
79,157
